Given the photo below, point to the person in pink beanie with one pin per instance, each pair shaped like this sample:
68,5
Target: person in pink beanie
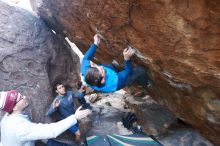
8,100
18,130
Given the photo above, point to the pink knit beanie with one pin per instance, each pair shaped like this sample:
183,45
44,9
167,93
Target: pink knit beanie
8,100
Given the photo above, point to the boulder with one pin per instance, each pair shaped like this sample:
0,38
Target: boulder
32,57
178,41
154,118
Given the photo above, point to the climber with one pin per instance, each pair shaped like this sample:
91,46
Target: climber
63,102
106,78
18,130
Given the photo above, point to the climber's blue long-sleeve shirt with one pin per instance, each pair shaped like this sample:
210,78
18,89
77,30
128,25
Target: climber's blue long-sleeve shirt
114,80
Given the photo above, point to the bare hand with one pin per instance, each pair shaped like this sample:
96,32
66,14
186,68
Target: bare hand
78,133
97,39
80,114
128,53
56,103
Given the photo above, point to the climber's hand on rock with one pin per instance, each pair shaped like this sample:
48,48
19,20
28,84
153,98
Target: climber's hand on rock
128,53
97,39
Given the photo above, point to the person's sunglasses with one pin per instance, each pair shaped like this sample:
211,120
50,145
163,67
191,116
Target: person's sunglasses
21,97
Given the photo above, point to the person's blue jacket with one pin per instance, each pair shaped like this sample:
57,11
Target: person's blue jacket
114,80
66,106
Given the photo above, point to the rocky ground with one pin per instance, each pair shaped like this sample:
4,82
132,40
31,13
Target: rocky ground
108,110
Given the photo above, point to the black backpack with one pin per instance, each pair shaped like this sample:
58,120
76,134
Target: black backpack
128,119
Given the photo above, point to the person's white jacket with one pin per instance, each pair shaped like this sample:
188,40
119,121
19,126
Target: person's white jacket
18,130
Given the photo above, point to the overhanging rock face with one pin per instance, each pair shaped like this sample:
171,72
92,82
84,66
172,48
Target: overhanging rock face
178,41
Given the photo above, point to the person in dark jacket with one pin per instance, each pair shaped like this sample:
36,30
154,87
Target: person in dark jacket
63,103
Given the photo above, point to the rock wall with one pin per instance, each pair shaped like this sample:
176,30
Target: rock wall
177,40
155,119
32,57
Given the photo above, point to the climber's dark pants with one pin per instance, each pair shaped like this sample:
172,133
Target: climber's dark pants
139,75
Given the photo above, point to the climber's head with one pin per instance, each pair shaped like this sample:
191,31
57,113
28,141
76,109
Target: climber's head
95,76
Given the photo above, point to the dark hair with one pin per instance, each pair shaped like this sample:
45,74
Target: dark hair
93,77
55,85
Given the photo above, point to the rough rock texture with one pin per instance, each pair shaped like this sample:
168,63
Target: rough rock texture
31,57
108,110
107,113
178,40
154,118
183,137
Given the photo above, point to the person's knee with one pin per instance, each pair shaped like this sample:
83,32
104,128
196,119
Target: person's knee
51,142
